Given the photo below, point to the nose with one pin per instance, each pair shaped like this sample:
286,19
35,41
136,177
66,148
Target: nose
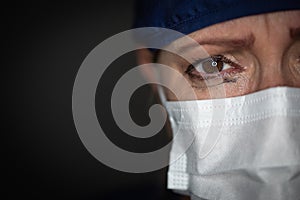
272,74
272,69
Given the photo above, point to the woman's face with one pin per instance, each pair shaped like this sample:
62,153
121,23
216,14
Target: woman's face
250,54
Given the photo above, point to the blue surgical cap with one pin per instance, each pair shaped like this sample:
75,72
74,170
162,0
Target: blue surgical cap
187,16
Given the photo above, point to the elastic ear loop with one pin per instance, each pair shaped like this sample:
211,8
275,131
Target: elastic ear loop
160,89
161,95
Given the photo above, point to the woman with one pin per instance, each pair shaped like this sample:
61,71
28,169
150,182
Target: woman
245,143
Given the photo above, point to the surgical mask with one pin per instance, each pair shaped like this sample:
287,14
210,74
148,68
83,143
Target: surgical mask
239,148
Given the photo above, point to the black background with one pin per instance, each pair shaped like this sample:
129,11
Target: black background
46,42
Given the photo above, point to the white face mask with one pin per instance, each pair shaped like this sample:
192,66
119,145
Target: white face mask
242,148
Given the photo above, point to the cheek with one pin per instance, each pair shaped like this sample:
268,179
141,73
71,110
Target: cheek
244,83
241,87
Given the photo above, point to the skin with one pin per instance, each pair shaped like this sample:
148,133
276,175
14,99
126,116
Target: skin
267,46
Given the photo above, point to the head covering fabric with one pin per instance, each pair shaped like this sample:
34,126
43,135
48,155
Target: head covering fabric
187,16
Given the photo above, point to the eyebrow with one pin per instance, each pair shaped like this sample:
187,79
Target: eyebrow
295,33
244,42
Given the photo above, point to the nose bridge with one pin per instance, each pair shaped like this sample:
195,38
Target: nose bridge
272,74
271,69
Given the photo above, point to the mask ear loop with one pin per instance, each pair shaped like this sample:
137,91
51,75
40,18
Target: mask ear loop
160,89
161,95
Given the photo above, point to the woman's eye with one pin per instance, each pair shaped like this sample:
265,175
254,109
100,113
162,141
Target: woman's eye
213,67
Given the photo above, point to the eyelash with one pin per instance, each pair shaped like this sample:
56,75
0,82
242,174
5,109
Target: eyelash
195,74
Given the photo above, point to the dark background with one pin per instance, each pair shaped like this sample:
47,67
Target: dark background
46,42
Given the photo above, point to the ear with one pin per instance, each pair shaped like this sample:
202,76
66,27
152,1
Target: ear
145,56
